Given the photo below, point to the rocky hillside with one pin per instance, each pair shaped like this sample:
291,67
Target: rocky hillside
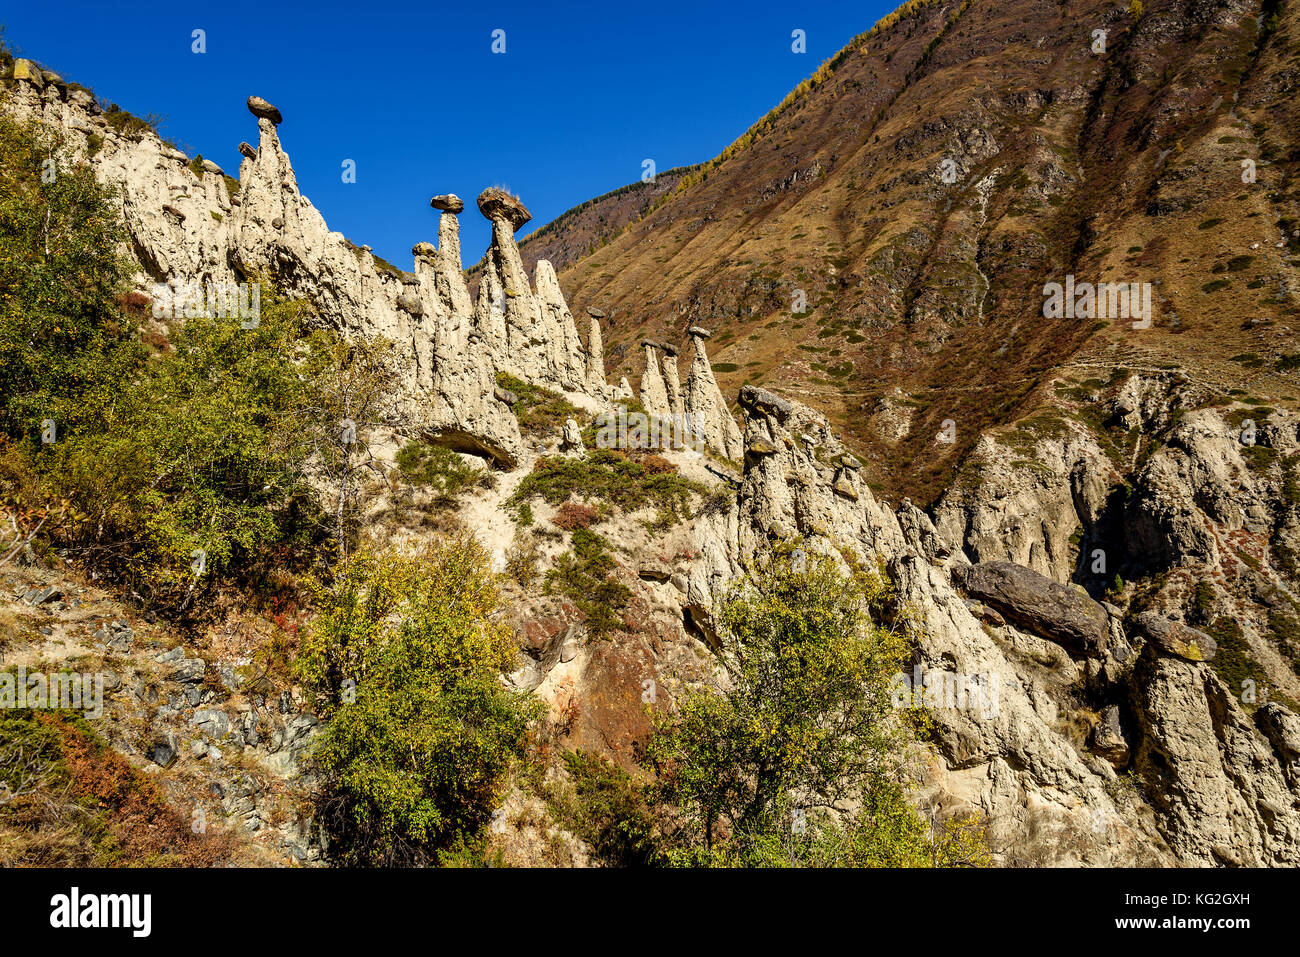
879,244
1089,529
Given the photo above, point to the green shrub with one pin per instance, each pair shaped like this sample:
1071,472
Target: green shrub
62,332
439,468
585,575
199,451
540,411
404,658
630,482
607,808
808,714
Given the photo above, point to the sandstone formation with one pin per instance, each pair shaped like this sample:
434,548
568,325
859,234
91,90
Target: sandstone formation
703,403
189,227
654,394
672,381
596,384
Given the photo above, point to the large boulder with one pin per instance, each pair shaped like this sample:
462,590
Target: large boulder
448,203
1173,638
264,110
1059,612
498,204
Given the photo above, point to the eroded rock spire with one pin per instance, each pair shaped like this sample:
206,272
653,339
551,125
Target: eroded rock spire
672,382
596,383
654,395
709,416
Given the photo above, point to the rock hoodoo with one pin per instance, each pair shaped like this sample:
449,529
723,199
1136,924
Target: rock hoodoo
453,348
654,394
703,402
672,381
448,203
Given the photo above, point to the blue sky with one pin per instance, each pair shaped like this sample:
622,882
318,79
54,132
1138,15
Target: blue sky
413,93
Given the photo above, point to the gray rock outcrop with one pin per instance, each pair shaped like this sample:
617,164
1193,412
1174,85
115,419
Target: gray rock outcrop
1062,613
704,405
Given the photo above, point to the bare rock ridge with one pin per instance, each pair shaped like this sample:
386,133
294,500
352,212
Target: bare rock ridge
199,226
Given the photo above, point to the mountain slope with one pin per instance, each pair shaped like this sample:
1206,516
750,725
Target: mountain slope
581,230
925,298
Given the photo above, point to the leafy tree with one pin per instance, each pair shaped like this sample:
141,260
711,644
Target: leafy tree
61,270
405,656
190,472
349,394
793,762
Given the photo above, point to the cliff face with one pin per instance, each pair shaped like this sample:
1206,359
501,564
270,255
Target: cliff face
1103,596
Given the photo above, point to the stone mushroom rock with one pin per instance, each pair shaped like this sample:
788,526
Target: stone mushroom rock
672,379
596,383
1061,613
424,250
496,204
447,374
529,334
1175,638
448,203
212,167
706,410
654,394
699,332
449,276
264,110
